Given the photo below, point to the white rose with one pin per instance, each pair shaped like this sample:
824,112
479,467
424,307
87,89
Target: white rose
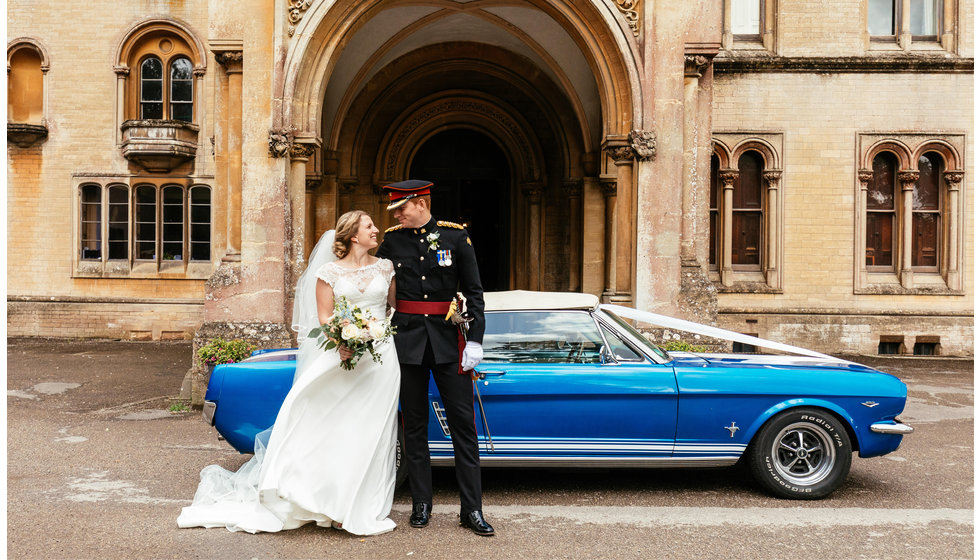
376,330
350,332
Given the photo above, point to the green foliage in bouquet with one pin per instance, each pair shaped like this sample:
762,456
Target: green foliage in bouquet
354,328
221,351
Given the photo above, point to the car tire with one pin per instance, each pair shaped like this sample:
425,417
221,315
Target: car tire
401,470
802,454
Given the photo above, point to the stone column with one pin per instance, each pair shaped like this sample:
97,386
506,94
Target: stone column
608,186
953,180
694,66
231,131
624,218
572,190
772,227
861,245
908,180
122,75
310,236
299,155
728,178
532,191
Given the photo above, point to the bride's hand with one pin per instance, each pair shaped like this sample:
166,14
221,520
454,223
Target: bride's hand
345,352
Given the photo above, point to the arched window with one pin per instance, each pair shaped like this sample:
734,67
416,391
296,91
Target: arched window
926,213
151,88
181,90
159,63
747,219
881,212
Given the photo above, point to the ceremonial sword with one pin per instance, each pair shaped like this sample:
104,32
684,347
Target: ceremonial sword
457,314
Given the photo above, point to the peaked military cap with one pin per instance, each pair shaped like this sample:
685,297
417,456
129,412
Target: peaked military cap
403,191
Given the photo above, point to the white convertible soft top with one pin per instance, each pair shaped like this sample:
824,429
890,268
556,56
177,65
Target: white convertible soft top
517,300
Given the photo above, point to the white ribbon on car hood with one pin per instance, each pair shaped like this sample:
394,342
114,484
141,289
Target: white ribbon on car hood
714,332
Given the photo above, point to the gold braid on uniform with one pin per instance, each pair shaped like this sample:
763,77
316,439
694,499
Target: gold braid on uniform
453,225
393,228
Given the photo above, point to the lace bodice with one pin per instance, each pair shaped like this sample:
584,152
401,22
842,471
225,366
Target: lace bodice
365,287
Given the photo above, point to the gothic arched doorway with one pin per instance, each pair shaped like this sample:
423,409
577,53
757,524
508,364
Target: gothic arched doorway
472,179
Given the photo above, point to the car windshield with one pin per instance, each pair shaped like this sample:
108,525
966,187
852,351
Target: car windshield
637,335
542,337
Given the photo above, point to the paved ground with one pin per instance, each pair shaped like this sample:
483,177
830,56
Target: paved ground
97,468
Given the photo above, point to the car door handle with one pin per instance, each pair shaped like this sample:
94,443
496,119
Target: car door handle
483,374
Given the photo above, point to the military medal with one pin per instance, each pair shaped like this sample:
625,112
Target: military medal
445,257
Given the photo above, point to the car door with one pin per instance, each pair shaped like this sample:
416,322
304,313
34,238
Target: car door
559,384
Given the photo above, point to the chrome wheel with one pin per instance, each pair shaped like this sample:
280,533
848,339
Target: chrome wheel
803,454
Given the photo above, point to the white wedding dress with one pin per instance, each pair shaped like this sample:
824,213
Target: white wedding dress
330,457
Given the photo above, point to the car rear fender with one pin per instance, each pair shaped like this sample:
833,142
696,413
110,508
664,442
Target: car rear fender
846,419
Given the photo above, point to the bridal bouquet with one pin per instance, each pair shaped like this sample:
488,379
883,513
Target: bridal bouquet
354,328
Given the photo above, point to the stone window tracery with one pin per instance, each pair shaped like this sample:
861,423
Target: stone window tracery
907,22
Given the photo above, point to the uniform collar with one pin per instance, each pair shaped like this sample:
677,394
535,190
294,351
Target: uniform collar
429,227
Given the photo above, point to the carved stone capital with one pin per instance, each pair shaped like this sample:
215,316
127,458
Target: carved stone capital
630,11
313,182
297,9
644,144
231,60
728,177
280,141
200,71
121,70
572,189
608,186
300,151
622,155
695,65
953,180
348,185
908,179
772,178
533,191
865,176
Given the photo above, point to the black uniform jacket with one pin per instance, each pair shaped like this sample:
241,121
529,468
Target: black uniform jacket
419,276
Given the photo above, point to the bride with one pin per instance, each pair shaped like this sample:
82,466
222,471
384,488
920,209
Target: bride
330,456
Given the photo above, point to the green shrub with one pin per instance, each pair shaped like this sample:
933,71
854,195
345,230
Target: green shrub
221,351
683,346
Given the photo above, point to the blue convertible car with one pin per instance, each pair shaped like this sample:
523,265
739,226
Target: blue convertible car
568,382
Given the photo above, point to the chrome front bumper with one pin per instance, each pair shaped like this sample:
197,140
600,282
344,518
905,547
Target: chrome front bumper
891,427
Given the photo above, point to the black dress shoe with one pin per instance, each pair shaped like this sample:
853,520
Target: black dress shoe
474,520
420,514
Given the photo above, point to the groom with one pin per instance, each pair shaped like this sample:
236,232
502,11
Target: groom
433,260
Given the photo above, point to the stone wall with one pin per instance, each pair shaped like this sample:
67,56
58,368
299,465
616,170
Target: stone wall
104,318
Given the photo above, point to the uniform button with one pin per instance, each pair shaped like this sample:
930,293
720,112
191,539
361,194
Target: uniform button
426,296
421,240
399,265
421,258
423,278
426,315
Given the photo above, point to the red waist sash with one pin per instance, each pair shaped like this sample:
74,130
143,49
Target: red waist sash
422,307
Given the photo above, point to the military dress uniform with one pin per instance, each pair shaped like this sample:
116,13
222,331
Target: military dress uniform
432,263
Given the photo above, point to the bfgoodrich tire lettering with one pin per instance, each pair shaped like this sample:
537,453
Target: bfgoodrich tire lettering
802,453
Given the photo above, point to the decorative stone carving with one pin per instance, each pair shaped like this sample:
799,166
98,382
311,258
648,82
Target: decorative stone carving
280,141
533,191
953,179
630,11
229,59
608,186
313,182
621,154
301,151
772,178
644,143
348,186
572,189
695,65
908,179
865,176
728,177
24,135
297,9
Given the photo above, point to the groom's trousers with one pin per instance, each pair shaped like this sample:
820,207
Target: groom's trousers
457,397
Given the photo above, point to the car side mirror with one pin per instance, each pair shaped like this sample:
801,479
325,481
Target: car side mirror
605,356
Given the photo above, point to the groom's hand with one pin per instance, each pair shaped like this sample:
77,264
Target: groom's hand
472,355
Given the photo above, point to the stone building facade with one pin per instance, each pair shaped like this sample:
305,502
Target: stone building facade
709,159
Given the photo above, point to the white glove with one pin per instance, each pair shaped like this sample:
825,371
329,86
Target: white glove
472,355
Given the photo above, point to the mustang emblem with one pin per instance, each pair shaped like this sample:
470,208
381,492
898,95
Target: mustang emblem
732,429
870,404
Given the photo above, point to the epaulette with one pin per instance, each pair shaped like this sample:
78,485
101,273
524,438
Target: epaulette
453,225
393,228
